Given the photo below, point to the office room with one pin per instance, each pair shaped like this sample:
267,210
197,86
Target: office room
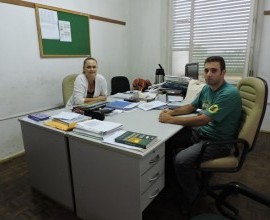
128,38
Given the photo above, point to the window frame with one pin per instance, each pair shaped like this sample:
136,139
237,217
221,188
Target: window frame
248,66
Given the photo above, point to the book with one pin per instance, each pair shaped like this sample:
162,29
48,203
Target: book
110,139
38,116
136,139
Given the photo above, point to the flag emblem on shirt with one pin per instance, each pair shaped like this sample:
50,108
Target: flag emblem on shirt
213,108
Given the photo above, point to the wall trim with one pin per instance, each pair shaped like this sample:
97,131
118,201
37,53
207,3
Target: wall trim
32,5
13,156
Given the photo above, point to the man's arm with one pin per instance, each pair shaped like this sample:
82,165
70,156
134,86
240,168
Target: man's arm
168,116
183,110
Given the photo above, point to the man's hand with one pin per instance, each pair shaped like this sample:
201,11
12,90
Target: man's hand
165,116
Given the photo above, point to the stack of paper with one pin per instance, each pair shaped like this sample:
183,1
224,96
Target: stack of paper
96,128
66,120
174,101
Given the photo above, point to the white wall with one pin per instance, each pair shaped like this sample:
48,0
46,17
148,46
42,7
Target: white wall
147,37
133,50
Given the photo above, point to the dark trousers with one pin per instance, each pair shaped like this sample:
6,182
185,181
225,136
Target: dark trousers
182,152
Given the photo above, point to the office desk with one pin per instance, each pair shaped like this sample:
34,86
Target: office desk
48,160
112,183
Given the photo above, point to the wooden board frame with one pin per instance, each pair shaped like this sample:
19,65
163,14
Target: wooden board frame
80,45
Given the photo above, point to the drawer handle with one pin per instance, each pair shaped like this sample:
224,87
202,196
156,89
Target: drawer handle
154,178
154,160
155,195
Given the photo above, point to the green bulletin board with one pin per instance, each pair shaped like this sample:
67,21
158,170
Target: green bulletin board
80,44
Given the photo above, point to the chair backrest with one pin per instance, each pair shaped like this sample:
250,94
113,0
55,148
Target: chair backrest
68,86
192,70
254,94
119,84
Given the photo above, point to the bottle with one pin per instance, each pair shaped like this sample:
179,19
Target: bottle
159,75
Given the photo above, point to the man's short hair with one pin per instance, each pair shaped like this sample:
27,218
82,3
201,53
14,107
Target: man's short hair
216,59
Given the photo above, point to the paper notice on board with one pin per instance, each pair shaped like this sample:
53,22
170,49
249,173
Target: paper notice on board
65,31
48,24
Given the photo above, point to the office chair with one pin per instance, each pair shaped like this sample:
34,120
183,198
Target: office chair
119,84
192,70
229,189
67,87
254,93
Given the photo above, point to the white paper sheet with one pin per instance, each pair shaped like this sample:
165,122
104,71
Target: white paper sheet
48,24
97,126
150,105
65,31
66,115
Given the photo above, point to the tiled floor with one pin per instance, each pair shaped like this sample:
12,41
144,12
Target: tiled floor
19,202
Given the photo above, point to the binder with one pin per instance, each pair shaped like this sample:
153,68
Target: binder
38,116
122,105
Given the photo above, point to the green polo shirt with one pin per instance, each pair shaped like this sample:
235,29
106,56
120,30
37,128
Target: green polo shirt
224,107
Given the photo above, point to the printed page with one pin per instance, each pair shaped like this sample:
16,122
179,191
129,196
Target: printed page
98,126
151,105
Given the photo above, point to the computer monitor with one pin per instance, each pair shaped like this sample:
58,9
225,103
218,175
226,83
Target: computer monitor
192,70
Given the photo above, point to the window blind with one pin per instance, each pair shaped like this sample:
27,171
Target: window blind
216,27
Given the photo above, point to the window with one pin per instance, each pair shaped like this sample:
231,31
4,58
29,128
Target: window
202,28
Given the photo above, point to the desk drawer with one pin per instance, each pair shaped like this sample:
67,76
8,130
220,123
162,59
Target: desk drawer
152,192
152,158
152,175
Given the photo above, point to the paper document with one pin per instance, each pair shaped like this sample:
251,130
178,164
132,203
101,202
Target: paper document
131,106
151,105
65,31
48,24
173,105
67,115
97,126
174,98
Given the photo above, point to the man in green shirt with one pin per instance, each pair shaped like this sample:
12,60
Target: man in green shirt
219,119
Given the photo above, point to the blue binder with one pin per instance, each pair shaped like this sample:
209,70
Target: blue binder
118,104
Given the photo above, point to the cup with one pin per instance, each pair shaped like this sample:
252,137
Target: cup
136,94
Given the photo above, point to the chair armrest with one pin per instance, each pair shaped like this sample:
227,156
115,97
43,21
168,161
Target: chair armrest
234,142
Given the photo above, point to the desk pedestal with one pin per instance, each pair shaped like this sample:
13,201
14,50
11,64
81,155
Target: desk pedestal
114,185
48,162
